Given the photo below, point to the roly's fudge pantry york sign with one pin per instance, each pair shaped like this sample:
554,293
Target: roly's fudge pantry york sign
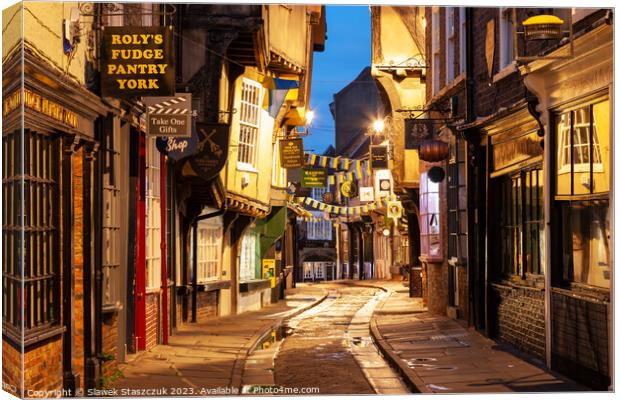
137,61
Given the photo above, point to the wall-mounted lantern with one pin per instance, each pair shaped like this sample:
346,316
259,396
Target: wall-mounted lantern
542,27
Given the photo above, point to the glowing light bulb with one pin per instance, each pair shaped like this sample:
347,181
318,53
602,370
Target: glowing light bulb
378,125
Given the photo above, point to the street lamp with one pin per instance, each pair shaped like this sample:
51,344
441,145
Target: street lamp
309,117
378,126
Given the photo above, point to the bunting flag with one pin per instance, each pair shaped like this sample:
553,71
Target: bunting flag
276,94
338,163
356,210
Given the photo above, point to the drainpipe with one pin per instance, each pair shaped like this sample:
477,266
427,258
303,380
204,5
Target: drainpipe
164,272
195,259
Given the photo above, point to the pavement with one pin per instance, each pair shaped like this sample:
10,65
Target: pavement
208,358
436,354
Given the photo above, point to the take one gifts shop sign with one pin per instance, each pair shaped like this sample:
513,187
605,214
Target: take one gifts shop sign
137,61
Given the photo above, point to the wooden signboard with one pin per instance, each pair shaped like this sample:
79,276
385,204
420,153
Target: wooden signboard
416,132
137,61
378,157
314,178
291,153
169,116
211,149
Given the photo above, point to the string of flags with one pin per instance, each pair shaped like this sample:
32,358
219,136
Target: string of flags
353,169
345,210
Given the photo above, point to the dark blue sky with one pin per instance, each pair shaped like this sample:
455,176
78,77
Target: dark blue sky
347,52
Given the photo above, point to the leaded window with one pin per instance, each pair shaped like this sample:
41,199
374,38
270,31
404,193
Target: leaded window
31,262
111,224
521,223
457,202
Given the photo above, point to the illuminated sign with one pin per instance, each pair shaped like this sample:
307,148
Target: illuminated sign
313,178
137,61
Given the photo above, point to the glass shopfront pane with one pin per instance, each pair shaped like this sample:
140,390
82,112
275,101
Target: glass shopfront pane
587,243
563,178
602,143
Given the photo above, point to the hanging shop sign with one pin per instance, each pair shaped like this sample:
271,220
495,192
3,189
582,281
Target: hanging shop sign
348,189
169,116
434,151
328,197
292,153
416,132
313,178
177,148
367,193
211,149
40,104
137,61
378,157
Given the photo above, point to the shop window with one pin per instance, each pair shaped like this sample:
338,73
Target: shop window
450,43
586,242
30,233
111,226
457,202
430,226
248,258
583,150
506,37
521,217
209,249
435,49
249,123
153,216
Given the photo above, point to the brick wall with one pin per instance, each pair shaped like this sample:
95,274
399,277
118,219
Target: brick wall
109,341
518,317
78,268
463,293
43,366
152,319
206,305
579,339
11,369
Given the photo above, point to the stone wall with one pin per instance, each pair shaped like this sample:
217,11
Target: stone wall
517,316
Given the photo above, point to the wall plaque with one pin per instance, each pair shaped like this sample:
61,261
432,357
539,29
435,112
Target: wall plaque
137,61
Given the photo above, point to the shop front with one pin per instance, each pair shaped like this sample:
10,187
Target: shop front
575,95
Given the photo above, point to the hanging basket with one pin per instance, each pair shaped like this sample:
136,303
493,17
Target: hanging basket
543,27
434,150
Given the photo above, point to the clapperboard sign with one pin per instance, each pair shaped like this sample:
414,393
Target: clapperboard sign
169,116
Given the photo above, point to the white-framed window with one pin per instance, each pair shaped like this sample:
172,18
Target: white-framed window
506,37
462,40
247,257
580,142
450,43
435,48
249,122
209,249
153,216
